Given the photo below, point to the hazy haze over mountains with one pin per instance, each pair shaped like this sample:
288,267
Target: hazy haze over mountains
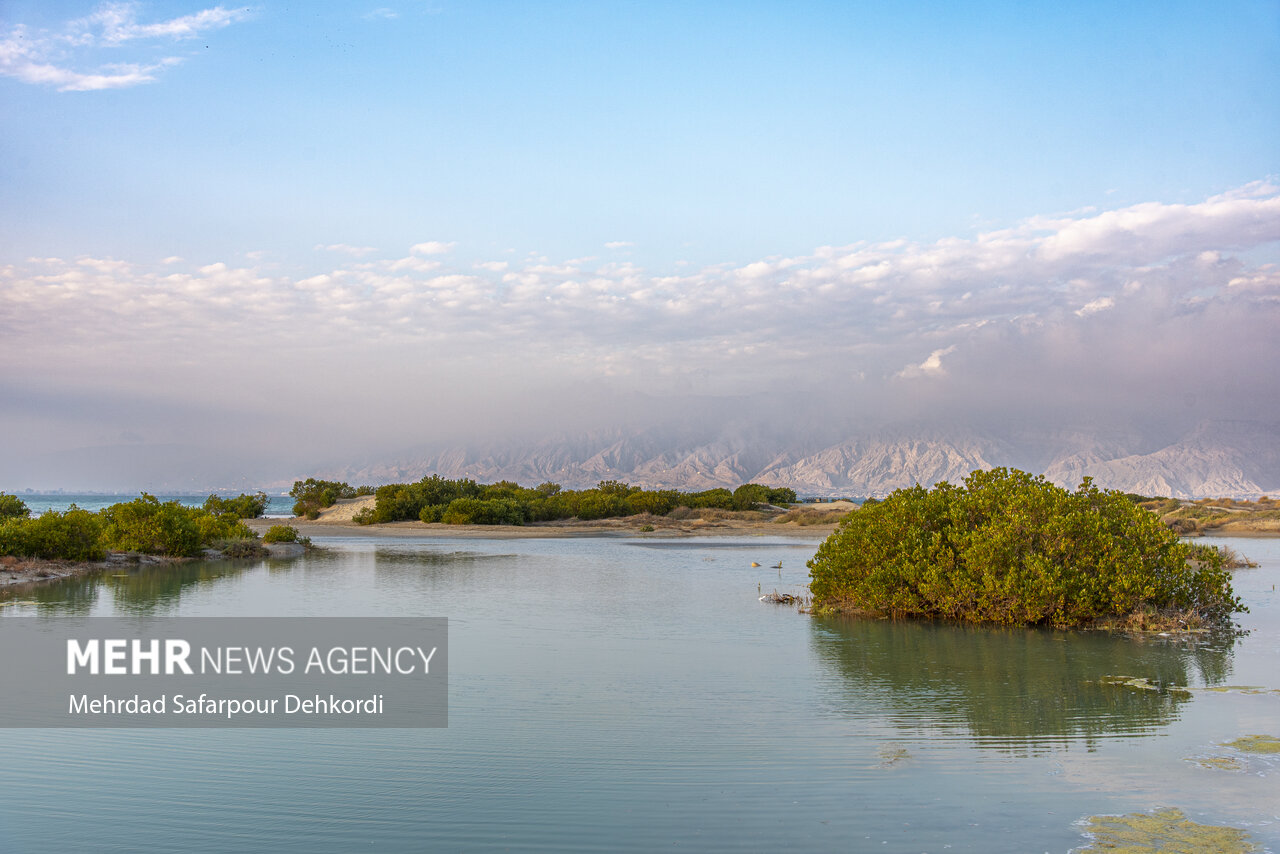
1217,458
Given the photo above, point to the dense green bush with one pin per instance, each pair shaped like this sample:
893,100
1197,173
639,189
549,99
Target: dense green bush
747,496
73,534
483,511
142,525
221,527
1008,547
242,506
281,534
398,502
434,498
12,507
147,525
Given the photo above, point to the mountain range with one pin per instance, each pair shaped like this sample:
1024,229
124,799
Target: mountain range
1218,458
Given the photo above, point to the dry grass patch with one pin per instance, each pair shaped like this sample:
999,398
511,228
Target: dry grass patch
813,516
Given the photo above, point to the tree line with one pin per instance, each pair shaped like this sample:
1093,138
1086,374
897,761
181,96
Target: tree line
145,524
465,502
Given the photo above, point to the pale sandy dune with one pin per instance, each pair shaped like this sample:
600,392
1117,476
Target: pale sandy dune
346,509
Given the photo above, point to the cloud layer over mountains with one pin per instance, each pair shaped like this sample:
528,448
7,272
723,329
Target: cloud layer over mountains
1157,315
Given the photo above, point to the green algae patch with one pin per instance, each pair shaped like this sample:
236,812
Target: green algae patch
1142,683
1165,831
1218,763
1256,744
891,755
1242,689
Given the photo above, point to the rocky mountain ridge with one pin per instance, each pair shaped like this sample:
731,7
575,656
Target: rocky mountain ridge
1240,459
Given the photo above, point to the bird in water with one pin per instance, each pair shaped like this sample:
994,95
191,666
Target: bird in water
777,565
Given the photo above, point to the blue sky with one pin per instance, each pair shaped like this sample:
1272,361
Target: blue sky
639,195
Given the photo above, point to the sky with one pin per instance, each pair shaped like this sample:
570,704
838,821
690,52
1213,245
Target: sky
285,235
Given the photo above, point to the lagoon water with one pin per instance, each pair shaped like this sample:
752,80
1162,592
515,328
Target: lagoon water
634,695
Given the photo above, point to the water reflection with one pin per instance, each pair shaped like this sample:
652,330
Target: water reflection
143,589
1016,690
76,595
398,557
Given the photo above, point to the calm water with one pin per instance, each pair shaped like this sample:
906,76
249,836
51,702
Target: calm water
38,502
622,695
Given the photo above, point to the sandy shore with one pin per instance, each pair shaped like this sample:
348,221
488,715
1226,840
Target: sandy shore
629,527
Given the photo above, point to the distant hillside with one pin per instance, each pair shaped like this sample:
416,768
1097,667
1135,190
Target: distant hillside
1218,458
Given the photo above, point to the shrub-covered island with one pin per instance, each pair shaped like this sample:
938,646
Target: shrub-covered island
465,502
1011,548
144,525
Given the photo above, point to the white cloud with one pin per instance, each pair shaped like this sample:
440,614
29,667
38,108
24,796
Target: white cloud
618,244
382,13
431,247
420,265
50,58
1095,306
118,23
347,249
930,367
994,314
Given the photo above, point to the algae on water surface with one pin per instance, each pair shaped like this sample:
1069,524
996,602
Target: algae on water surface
1256,744
1165,831
1220,763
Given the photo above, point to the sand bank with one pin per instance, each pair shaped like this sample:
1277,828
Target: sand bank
627,527
336,521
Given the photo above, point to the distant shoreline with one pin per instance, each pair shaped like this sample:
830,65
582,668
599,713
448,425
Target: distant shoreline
623,527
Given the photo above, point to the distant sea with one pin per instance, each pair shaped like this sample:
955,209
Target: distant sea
38,502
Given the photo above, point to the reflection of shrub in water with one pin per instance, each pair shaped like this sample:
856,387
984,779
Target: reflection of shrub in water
76,594
1009,688
151,588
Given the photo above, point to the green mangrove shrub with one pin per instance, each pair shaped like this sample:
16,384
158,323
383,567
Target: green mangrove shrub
242,506
311,495
463,501
1011,548
13,507
73,534
144,524
282,534
148,525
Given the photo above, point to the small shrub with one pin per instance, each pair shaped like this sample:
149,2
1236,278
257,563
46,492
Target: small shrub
281,534
240,548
